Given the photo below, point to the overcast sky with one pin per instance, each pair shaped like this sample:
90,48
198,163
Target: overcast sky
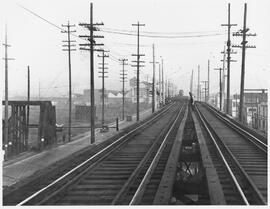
37,43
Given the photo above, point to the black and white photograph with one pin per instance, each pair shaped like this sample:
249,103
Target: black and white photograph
158,103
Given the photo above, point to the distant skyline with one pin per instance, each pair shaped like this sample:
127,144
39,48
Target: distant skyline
38,44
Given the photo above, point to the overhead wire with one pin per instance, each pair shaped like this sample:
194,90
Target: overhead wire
131,33
51,23
153,32
35,14
164,36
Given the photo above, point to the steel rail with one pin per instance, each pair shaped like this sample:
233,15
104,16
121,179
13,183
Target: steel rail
141,165
140,190
92,157
223,159
241,169
239,129
77,177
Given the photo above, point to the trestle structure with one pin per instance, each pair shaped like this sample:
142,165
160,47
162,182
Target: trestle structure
18,129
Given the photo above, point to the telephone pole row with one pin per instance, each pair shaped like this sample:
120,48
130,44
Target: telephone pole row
69,49
123,78
147,89
6,58
159,84
191,83
223,75
229,25
27,110
166,88
243,45
154,80
205,90
208,80
90,47
224,52
220,88
169,88
103,72
199,86
162,82
138,65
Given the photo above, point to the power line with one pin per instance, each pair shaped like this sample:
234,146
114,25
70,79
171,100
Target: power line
153,32
111,57
164,36
130,44
35,14
54,25
171,44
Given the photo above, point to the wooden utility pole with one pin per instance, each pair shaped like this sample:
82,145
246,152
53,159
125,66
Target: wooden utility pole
223,73
28,83
224,52
27,110
168,88
173,86
6,96
138,65
147,89
123,80
103,72
244,42
92,78
191,83
165,88
69,49
159,84
229,25
163,95
208,80
199,87
172,89
154,80
220,88
205,90
91,27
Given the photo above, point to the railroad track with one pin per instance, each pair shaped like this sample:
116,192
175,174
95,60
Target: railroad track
240,158
116,174
16,194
